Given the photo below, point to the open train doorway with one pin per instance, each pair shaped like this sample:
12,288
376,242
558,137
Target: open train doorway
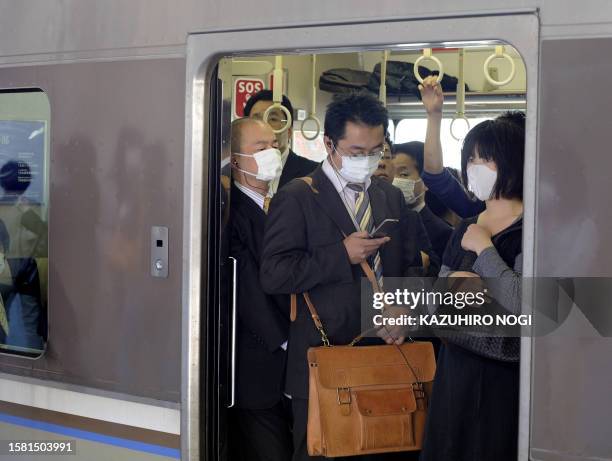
497,74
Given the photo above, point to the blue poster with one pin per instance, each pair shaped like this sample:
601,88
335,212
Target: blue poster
22,161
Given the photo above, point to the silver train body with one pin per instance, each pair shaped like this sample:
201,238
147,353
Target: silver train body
134,362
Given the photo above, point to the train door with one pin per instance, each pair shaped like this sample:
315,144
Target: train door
209,277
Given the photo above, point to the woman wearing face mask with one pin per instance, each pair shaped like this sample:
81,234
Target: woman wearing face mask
474,410
408,165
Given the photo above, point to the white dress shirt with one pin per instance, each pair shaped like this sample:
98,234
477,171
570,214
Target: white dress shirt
348,196
253,195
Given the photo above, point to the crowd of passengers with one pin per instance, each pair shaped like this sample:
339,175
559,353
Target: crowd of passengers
292,236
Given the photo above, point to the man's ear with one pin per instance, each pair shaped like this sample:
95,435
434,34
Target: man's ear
329,145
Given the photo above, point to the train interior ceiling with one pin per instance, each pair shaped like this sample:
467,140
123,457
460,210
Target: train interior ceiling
338,72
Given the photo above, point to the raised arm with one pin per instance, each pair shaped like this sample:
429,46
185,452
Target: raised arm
433,100
435,176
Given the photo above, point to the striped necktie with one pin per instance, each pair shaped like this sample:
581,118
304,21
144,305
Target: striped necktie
266,204
363,216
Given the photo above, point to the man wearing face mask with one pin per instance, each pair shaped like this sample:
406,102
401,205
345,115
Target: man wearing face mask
415,229
261,419
408,164
317,235
293,165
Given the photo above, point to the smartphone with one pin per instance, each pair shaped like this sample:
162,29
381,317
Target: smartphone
382,230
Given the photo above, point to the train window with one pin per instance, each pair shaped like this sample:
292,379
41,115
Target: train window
312,149
413,129
24,202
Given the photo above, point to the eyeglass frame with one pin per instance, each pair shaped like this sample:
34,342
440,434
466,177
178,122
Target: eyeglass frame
379,153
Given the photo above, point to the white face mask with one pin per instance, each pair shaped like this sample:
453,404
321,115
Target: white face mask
358,169
481,180
407,185
269,165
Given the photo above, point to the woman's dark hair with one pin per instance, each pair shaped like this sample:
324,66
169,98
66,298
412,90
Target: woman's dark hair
502,141
15,176
358,107
455,173
414,149
266,95
515,116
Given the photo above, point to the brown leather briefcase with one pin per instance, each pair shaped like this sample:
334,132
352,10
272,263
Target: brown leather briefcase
368,399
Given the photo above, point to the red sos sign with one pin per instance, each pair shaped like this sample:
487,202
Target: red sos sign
244,88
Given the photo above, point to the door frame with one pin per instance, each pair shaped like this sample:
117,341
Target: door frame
521,30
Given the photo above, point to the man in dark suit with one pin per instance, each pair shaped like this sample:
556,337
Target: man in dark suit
294,166
408,167
261,422
316,237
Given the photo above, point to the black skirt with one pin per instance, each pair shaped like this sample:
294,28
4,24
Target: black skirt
473,413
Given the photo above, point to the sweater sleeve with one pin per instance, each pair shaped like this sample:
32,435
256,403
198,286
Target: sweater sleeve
452,193
503,282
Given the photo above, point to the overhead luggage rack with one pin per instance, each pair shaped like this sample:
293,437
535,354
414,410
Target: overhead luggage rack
476,104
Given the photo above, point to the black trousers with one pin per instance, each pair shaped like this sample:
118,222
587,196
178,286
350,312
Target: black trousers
261,435
300,452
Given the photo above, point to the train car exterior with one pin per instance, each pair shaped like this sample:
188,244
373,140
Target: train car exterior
136,125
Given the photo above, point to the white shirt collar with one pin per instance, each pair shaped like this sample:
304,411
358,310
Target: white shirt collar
250,193
284,156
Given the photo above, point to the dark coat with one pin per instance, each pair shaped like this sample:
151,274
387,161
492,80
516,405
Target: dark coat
263,320
296,167
438,230
304,251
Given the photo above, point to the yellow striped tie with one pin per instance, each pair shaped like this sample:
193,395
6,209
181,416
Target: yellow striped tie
363,216
266,204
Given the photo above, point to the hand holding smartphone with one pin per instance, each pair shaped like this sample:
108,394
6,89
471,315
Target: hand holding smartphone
382,230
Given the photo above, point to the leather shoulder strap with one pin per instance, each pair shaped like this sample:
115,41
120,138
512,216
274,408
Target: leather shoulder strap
313,311
293,307
308,180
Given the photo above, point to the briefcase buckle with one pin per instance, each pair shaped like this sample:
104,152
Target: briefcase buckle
344,395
